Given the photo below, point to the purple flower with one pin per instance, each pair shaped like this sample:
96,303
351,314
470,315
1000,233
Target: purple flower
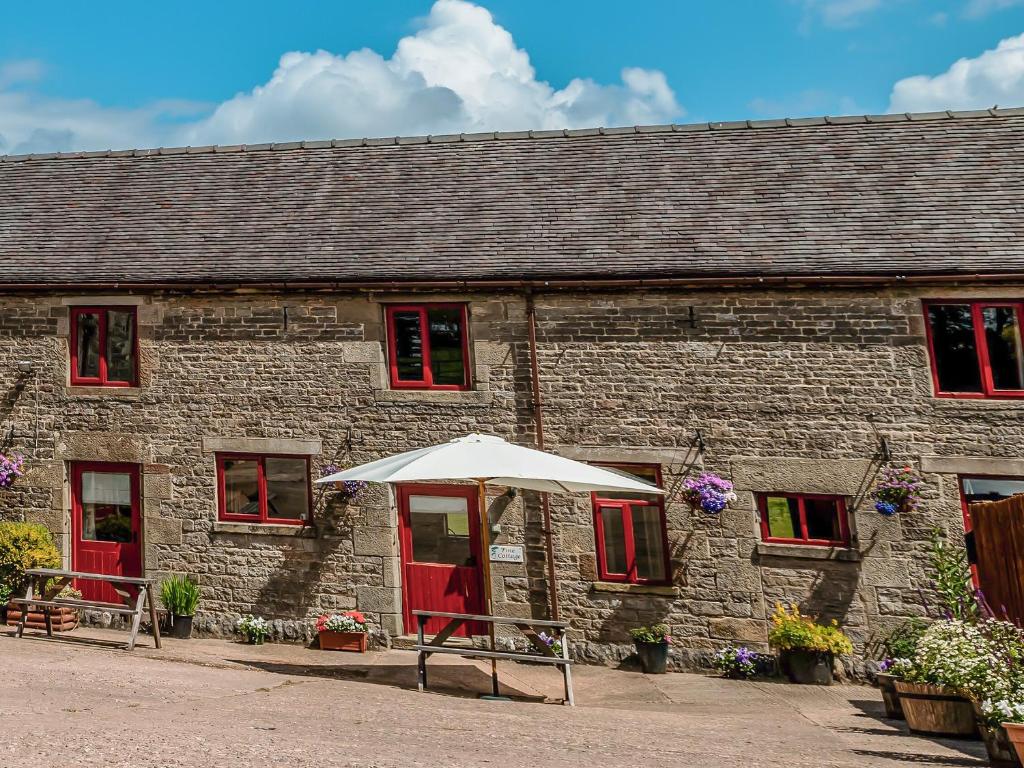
11,468
709,492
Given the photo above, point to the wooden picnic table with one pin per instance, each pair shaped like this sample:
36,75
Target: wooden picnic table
48,582
529,627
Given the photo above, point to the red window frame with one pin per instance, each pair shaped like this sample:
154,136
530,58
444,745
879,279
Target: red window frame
625,507
427,382
981,345
261,475
841,511
102,380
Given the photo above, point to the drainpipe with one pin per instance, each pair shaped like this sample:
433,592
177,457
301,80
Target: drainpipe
538,421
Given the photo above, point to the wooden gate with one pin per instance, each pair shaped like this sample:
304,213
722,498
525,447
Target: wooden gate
998,530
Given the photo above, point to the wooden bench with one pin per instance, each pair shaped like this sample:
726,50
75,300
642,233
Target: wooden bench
124,586
529,627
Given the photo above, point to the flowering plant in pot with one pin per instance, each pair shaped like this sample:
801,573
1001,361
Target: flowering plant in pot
897,490
740,663
652,645
347,490
708,492
11,468
807,649
180,596
900,643
343,631
255,629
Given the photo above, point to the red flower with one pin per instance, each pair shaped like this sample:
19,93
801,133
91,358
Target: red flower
357,616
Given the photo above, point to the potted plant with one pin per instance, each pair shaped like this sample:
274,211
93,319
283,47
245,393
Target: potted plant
347,490
708,492
651,645
739,663
22,546
900,643
898,490
180,596
342,631
255,629
807,650
1002,729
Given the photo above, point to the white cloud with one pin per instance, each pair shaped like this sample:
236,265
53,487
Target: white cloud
977,9
461,72
994,77
839,13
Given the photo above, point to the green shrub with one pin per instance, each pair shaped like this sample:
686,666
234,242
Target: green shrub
901,642
792,631
180,596
23,546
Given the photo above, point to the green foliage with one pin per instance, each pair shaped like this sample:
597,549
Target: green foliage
23,546
951,579
791,630
180,595
900,643
656,633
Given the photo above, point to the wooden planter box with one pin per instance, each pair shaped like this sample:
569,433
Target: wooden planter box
1001,753
891,699
936,711
61,619
343,641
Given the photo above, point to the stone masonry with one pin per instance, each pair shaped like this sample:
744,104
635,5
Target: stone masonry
791,390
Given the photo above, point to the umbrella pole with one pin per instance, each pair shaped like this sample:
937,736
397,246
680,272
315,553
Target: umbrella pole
485,554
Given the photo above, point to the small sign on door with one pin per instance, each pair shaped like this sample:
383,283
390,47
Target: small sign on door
503,553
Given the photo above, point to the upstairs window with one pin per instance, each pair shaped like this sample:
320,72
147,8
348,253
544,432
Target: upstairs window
263,489
428,346
632,541
976,348
793,518
104,347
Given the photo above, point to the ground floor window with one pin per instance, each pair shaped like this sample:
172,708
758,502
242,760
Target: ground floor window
793,518
632,542
263,489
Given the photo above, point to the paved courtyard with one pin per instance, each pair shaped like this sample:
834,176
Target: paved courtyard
76,701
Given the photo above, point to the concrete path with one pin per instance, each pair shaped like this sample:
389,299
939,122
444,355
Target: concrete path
82,701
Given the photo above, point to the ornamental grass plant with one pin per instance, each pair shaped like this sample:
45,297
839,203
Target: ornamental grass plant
180,596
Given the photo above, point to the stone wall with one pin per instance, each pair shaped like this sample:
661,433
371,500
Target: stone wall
790,391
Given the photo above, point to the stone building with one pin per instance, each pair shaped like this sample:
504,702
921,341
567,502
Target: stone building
188,335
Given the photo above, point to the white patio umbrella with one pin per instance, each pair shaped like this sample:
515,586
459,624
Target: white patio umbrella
489,460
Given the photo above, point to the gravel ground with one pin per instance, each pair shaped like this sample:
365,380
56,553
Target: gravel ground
81,701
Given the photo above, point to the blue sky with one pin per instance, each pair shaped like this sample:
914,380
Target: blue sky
117,74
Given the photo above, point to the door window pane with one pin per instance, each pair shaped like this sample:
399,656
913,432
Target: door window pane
446,364
241,487
88,329
1002,337
440,530
120,345
822,519
648,541
954,348
990,489
783,517
287,488
408,345
614,540
106,499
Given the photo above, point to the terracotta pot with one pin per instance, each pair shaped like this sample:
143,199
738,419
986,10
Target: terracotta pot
807,667
343,641
61,619
1015,733
891,699
997,743
936,711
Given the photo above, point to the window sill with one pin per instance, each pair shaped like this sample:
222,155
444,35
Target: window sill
634,589
445,396
81,390
265,529
807,552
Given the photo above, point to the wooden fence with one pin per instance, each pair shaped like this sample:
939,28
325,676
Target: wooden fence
999,552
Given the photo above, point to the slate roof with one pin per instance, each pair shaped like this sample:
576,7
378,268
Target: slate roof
928,194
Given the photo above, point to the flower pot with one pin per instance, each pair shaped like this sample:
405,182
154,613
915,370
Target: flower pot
936,711
61,619
653,657
1015,733
343,641
807,667
891,699
181,627
255,640
997,742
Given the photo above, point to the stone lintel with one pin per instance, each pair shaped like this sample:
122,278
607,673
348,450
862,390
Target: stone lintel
284,445
972,465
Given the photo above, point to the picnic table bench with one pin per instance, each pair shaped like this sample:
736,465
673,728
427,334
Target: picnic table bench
529,627
133,604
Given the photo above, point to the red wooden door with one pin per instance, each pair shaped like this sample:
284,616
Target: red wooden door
105,524
440,541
